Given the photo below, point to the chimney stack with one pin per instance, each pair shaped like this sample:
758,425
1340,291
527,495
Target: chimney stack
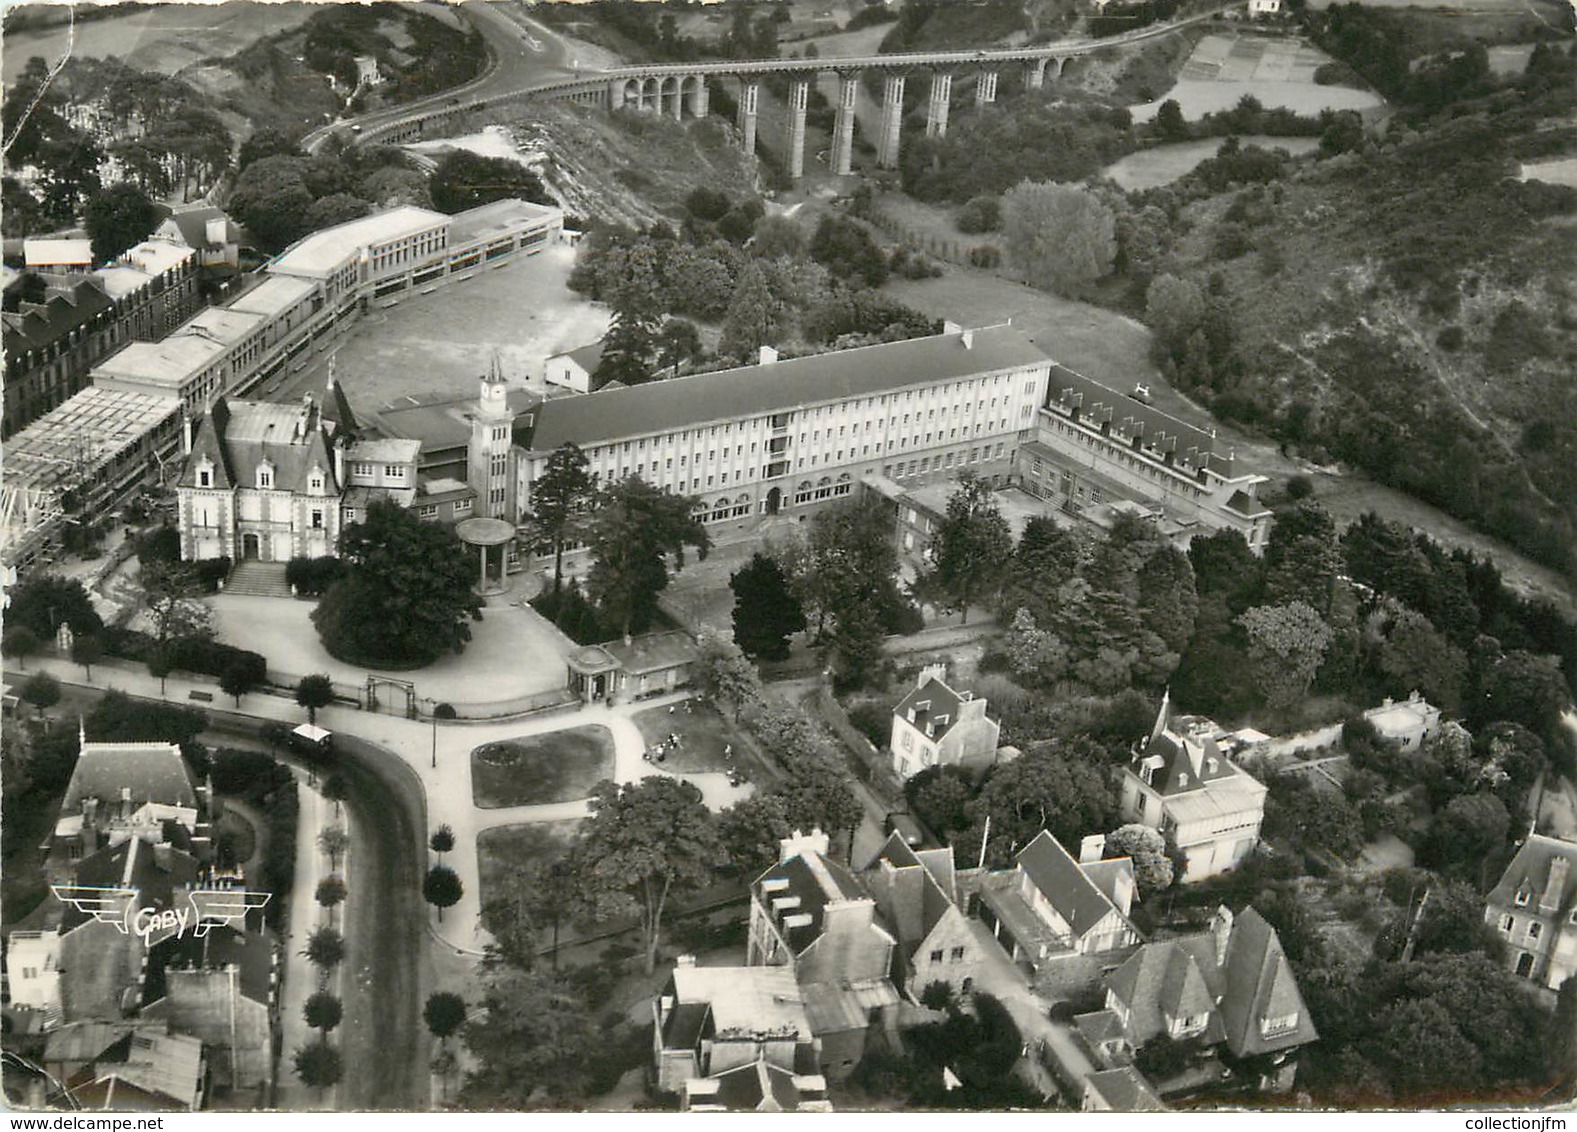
1550,902
968,338
799,843
1221,929
766,356
1092,848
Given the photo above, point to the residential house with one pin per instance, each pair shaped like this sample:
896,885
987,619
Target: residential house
147,1070
1050,910
1228,990
1180,782
1264,7
1406,723
935,726
1534,908
208,231
916,894
378,469
736,1039
261,483
576,370
649,665
222,988
811,914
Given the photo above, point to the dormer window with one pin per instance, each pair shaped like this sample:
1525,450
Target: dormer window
205,474
1523,898
316,482
265,475
1182,779
1283,1024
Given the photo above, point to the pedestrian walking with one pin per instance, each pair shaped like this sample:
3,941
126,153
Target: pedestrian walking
728,750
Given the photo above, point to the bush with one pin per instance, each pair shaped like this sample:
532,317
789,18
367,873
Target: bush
270,787
210,572
981,214
312,576
206,658
160,545
872,719
1451,338
985,256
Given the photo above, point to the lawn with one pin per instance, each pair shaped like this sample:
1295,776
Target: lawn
703,734
559,767
1163,164
505,845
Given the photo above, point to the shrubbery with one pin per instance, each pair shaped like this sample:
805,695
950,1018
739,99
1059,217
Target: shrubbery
269,787
191,654
312,576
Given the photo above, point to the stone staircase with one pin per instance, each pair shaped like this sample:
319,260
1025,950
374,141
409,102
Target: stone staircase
258,579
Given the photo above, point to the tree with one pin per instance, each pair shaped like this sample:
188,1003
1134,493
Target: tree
1223,564
334,841
1174,308
1414,657
940,797
1302,558
465,180
1169,121
41,690
535,1033
325,948
336,790
750,831
21,642
972,545
323,1011
844,247
318,1065
44,602
1286,645
751,319
1524,688
645,842
444,1014
859,655
678,342
118,218
725,677
1047,555
1152,868
442,840
407,593
1468,832
87,651
314,692
628,348
766,612
171,596
1060,236
271,199
442,888
238,679
1035,655
330,893
267,142
635,527
1045,789
560,499
777,236
532,897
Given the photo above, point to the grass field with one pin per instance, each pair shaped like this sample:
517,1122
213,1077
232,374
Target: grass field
560,767
1278,72
702,732
163,39
1152,168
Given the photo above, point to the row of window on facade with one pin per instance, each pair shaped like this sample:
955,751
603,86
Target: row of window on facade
1145,465
924,465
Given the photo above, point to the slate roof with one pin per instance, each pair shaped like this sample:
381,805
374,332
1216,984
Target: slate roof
817,881
748,999
1071,892
157,873
587,357
154,772
754,391
239,435
1125,1090
1530,871
941,709
756,1087
1191,759
1181,978
251,953
83,1041
192,223
38,325
168,1065
1065,388
912,895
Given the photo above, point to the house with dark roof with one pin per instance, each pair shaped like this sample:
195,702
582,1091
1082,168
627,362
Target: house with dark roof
1180,781
1050,908
1123,1089
208,231
221,988
576,370
1533,907
916,894
1228,993
121,790
147,1070
1093,446
811,914
935,726
736,1039
262,482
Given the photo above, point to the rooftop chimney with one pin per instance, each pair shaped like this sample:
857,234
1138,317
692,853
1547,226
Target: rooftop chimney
1092,848
1556,887
766,356
951,327
799,843
1221,929
968,339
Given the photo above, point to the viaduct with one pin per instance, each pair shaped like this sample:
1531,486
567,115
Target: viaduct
679,88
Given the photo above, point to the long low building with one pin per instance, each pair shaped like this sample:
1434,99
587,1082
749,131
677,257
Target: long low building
787,436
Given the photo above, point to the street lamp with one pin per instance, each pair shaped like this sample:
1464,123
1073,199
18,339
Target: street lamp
435,733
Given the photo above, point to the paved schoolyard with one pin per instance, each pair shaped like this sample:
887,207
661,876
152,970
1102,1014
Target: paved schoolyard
522,311
513,652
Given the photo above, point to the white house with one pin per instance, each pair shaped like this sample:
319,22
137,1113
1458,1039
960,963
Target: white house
935,726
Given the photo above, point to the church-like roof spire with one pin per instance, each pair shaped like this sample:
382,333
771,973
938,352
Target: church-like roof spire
1164,716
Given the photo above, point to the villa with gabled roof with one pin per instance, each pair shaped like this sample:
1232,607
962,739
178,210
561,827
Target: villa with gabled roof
1533,908
1180,782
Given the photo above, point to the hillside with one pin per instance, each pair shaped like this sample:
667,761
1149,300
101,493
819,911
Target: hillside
1407,308
630,168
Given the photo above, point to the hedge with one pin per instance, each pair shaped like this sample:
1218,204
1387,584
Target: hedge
311,576
269,787
207,658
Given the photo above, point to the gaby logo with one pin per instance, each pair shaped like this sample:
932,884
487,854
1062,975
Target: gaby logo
206,909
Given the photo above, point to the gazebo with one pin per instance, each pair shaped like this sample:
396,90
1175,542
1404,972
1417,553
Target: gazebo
485,534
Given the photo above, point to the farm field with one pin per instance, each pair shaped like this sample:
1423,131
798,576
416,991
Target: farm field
1278,72
1152,168
164,39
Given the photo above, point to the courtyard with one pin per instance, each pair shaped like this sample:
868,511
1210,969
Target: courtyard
561,766
513,653
523,312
